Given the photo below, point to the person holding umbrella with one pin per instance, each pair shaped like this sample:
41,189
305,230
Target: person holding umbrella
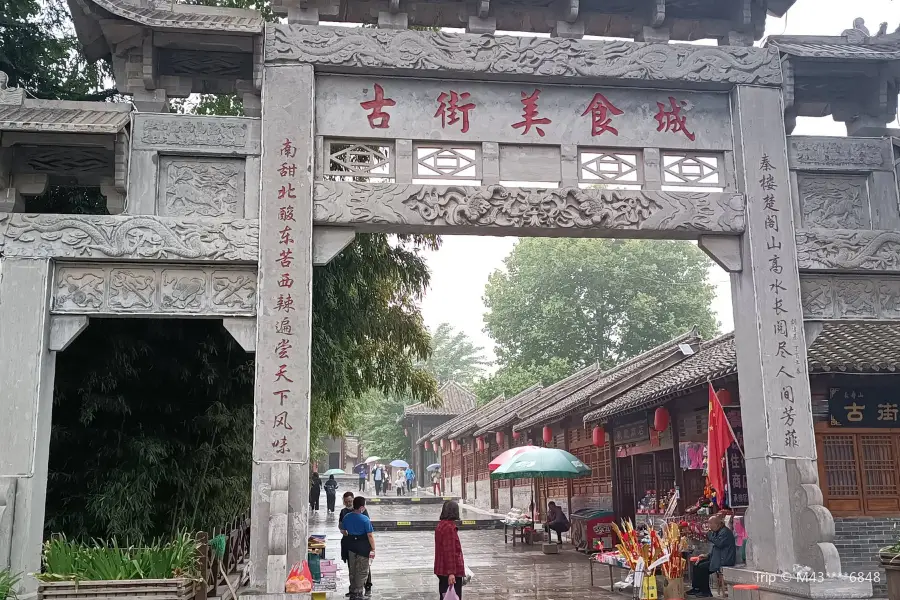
331,493
449,564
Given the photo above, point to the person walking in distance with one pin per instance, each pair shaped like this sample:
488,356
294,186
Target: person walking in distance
315,490
449,565
360,544
331,493
377,476
436,482
400,482
363,475
410,478
348,508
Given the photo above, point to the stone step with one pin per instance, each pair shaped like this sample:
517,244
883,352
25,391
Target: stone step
408,500
431,524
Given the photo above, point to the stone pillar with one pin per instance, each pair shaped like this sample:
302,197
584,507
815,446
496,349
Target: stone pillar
26,390
284,323
786,522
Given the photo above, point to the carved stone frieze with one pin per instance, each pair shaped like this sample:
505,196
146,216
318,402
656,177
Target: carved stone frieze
531,211
833,201
129,237
201,187
99,289
848,250
372,49
174,131
850,297
831,153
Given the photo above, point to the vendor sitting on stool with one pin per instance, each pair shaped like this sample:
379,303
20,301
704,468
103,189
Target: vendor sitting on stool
556,521
722,554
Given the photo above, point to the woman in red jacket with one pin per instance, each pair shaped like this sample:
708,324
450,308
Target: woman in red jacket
448,556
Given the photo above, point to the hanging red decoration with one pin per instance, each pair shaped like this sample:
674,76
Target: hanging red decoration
548,434
724,397
427,446
499,438
443,443
598,436
516,435
661,419
479,443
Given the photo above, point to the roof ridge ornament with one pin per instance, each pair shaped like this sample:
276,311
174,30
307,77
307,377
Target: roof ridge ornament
10,95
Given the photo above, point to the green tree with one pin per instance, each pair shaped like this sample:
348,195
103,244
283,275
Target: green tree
586,300
509,380
382,431
153,419
454,357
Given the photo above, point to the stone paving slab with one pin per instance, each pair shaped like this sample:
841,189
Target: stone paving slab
418,518
403,568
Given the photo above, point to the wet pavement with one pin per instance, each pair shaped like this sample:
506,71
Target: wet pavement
403,567
427,512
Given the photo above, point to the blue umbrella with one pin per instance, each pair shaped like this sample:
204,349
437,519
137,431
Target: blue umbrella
400,463
434,467
360,468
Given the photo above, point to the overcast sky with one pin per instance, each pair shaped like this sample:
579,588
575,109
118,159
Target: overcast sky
460,269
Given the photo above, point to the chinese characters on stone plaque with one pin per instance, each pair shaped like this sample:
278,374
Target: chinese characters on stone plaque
863,407
456,108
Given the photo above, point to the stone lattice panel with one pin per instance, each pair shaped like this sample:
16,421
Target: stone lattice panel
833,201
158,290
193,63
64,160
200,187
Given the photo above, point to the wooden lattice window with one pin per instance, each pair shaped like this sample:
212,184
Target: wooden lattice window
858,471
665,472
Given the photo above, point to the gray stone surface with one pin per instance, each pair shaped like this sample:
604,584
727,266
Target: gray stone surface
142,289
27,376
812,153
64,329
848,250
496,113
282,389
379,51
771,356
498,210
854,297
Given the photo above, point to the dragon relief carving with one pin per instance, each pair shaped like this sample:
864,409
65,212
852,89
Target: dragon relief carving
848,250
131,237
489,54
833,202
202,188
850,297
527,208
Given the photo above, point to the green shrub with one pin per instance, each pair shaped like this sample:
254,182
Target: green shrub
8,583
101,561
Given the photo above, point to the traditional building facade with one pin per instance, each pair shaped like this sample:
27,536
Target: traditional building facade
421,417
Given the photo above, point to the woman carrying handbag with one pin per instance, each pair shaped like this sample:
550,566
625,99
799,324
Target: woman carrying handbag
449,565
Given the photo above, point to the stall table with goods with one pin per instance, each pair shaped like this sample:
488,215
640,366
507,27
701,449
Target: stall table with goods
520,523
591,526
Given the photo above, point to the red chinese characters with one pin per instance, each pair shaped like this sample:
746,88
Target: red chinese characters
452,109
378,118
529,114
600,108
670,118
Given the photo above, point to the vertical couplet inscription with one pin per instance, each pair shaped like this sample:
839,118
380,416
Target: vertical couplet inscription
784,350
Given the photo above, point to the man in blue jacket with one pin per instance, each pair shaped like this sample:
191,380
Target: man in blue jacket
723,553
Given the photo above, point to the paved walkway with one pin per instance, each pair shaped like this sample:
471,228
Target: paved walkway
403,568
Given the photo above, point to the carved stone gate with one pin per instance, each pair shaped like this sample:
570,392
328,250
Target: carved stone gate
399,130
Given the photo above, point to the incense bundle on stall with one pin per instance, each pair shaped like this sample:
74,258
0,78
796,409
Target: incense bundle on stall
673,570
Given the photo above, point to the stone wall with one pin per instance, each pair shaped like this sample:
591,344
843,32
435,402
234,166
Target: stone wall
482,494
858,540
522,496
455,487
603,502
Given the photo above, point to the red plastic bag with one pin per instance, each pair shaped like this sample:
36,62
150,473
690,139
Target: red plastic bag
299,579
450,594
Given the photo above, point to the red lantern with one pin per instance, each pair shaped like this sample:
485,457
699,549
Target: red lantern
427,446
598,436
406,432
516,435
548,434
479,443
724,397
443,443
499,438
661,419
453,445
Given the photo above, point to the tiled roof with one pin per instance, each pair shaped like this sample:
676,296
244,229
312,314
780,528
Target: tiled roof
841,347
460,424
64,117
455,401
486,422
173,15
571,404
831,48
545,397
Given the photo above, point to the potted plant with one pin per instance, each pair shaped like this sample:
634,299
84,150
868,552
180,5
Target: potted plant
890,562
8,583
160,571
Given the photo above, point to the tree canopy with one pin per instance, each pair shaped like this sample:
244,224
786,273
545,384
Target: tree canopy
454,357
152,423
586,300
509,380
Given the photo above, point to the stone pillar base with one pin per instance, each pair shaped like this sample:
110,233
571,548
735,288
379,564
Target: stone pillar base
784,587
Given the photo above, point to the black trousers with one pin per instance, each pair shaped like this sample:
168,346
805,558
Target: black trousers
377,487
331,498
444,585
314,504
700,576
362,485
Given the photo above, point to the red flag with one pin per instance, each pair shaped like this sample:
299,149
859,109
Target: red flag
718,441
